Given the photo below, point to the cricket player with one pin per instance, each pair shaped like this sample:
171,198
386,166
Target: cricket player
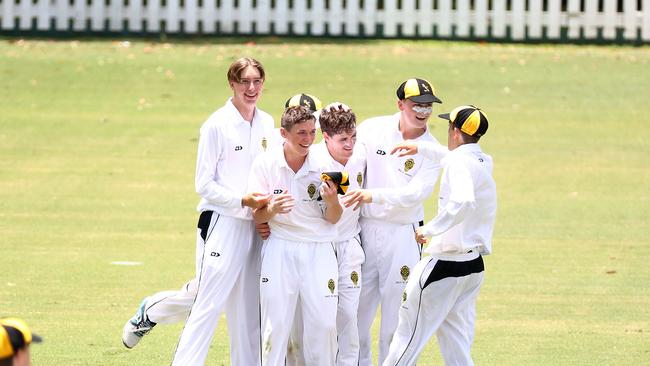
338,125
392,209
298,258
15,341
441,293
227,251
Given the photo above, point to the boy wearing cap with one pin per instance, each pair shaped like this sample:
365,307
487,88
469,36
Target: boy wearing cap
15,339
441,293
392,209
227,249
298,259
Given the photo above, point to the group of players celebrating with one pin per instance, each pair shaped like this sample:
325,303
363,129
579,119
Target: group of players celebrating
300,243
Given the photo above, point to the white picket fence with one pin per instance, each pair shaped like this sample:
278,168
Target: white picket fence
613,20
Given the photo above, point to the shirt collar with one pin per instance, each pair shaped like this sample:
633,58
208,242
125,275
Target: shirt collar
468,148
237,117
322,152
308,166
396,118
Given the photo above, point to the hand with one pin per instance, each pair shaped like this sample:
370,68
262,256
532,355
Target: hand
263,230
255,200
408,147
419,237
337,106
356,198
281,203
328,191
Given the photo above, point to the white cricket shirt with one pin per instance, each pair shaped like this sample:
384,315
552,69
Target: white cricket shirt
398,185
467,206
305,223
227,147
348,225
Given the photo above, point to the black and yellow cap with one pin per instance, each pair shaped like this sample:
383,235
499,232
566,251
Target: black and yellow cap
15,335
305,100
417,90
468,119
340,178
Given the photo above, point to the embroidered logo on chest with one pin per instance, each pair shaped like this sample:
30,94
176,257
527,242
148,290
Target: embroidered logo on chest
405,272
354,276
311,190
409,164
264,143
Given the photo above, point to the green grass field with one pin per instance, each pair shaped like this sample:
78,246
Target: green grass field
97,152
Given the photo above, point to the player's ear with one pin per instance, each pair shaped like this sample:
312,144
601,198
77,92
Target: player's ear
400,105
326,137
283,132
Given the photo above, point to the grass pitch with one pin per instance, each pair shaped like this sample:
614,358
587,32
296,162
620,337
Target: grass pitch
97,152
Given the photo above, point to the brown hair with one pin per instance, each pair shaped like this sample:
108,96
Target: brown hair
334,121
294,115
237,67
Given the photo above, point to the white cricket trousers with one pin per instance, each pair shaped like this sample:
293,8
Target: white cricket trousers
391,253
349,255
227,278
350,258
441,299
303,273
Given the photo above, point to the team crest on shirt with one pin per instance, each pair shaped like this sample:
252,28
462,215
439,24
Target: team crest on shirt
264,143
404,296
311,190
409,164
405,272
360,179
331,285
354,276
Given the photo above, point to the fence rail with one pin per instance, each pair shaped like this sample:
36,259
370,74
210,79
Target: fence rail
517,20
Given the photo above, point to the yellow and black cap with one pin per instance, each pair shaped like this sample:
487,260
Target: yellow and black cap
15,335
417,90
340,178
468,119
305,100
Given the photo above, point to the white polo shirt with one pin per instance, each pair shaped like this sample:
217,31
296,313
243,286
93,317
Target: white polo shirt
305,223
227,147
398,185
348,225
467,206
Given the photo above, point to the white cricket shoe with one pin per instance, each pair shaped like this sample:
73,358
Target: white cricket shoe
136,327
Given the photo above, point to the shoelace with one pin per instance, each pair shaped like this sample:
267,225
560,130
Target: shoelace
143,327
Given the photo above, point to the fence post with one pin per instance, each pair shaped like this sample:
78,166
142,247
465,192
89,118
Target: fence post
609,29
517,27
553,19
645,32
443,19
462,18
630,19
591,19
481,18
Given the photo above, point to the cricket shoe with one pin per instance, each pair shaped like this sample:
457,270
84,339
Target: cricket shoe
136,327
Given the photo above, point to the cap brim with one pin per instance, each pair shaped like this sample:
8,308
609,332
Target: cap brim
36,338
426,98
445,116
